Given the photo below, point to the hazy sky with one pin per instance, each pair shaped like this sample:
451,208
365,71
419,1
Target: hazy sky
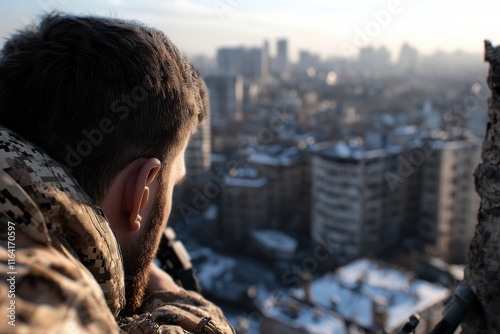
328,27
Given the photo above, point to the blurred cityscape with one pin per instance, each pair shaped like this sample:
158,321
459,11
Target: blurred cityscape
333,195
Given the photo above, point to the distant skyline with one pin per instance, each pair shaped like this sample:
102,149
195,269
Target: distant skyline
325,27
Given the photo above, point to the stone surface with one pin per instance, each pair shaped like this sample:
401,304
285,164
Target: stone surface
483,260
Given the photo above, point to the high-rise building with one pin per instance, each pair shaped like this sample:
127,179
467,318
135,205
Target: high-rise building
197,156
351,202
282,55
243,206
367,200
252,65
230,61
449,203
408,57
248,62
197,159
288,191
308,60
373,59
265,60
226,96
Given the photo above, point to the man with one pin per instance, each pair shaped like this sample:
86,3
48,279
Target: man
95,117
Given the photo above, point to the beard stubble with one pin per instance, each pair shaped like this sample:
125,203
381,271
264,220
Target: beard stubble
138,258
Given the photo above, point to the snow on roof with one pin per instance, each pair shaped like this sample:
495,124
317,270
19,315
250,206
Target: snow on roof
456,270
266,159
355,286
313,320
283,157
246,172
246,177
406,130
275,240
342,149
249,183
393,149
214,269
217,157
211,212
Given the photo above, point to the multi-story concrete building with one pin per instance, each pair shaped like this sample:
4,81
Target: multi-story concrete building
226,100
252,66
282,56
226,96
248,62
230,60
351,203
288,186
244,204
369,200
265,60
408,59
197,159
198,156
449,202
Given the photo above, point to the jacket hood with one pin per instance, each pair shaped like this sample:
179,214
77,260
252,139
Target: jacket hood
46,203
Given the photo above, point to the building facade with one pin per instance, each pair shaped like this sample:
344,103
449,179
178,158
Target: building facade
288,188
244,204
226,97
449,203
282,56
351,203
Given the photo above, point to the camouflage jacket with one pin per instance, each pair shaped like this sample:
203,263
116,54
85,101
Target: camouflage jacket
60,264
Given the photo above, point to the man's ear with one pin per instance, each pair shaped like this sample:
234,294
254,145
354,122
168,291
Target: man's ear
136,191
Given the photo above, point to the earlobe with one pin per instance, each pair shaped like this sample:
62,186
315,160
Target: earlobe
128,194
140,195
135,221
136,224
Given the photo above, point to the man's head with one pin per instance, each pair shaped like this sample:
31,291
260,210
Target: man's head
115,102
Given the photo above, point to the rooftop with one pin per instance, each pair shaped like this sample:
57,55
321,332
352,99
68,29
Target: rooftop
354,288
296,315
245,177
275,240
212,268
342,150
283,157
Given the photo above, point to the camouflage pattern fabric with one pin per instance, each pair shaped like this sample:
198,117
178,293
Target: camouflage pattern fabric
68,265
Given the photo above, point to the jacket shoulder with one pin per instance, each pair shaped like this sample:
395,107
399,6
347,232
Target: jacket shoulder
49,292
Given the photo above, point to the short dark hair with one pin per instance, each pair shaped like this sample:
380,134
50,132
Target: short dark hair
96,93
